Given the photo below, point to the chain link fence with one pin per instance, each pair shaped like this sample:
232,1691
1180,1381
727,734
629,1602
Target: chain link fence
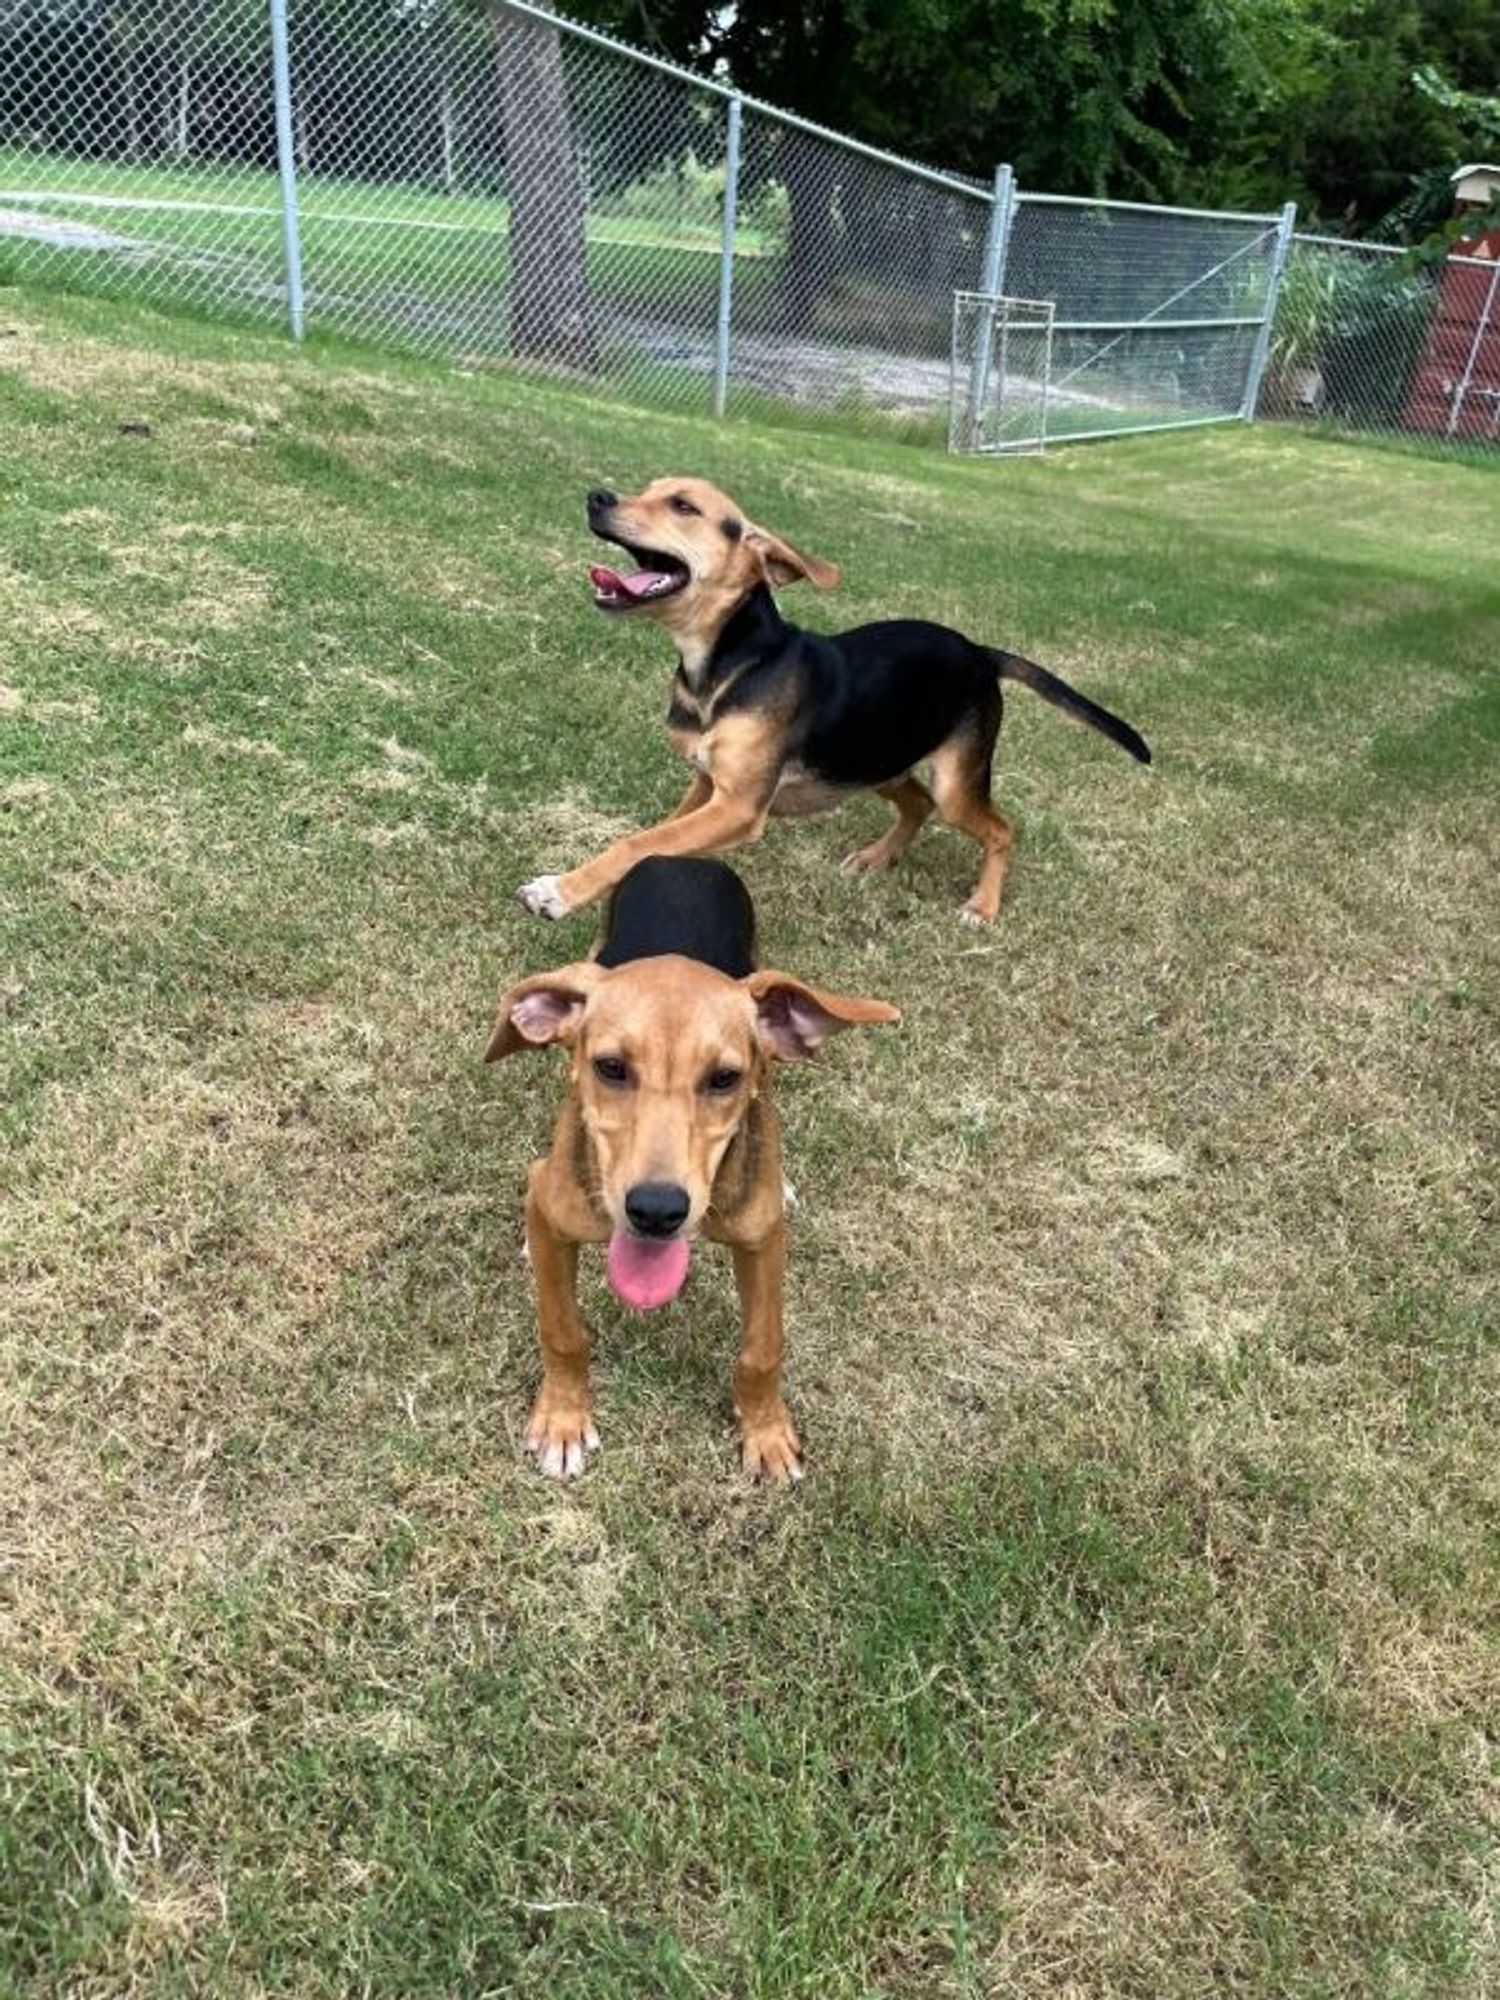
133,149
480,179
488,183
1371,339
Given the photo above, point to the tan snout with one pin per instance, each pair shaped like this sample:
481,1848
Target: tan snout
725,555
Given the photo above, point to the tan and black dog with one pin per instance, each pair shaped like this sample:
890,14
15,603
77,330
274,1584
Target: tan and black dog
667,1132
778,720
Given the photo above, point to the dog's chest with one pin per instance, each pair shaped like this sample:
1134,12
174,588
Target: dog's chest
690,721
690,725
690,740
687,713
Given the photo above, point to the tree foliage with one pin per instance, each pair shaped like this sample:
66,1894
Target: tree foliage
1357,109
1218,101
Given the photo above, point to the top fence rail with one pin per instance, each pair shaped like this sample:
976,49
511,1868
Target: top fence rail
503,186
1146,207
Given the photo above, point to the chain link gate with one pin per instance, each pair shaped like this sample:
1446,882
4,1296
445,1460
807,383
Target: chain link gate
1161,318
1000,374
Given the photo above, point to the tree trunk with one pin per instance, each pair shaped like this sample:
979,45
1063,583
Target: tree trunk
549,294
132,104
184,92
445,127
812,247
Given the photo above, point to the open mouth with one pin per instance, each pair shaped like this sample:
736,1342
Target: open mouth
658,576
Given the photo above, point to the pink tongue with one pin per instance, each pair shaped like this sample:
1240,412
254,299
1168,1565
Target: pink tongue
646,1275
636,585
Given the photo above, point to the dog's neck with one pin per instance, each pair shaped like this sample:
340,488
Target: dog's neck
739,1169
752,630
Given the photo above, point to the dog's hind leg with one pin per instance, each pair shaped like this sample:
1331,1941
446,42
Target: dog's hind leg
961,770
913,803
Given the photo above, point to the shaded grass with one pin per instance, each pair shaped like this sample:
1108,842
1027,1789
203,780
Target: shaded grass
1135,1631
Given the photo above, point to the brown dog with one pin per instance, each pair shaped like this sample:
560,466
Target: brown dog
777,720
667,1132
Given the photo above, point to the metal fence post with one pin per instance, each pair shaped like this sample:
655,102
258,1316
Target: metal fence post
991,280
286,160
1260,352
726,254
1460,394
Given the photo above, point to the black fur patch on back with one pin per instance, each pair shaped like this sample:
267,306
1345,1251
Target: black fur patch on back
690,906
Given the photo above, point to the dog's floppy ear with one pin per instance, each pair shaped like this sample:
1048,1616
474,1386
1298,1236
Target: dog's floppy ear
784,564
543,1009
794,1018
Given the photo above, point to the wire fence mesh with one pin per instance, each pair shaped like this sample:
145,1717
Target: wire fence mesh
852,301
481,179
1371,339
134,148
1157,310
486,182
550,205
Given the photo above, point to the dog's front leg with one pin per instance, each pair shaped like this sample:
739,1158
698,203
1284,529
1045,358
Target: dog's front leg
726,810
708,829
699,791
560,1431
769,1443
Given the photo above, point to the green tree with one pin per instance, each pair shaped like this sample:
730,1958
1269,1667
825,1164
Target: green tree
1081,96
1345,131
1231,101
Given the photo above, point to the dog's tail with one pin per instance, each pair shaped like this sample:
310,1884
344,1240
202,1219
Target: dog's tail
1050,688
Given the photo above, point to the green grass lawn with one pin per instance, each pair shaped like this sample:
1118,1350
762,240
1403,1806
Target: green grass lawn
1135,1631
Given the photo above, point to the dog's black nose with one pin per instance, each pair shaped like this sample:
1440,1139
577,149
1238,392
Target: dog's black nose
601,500
657,1208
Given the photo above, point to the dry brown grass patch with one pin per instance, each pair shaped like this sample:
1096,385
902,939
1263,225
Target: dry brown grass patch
1133,1893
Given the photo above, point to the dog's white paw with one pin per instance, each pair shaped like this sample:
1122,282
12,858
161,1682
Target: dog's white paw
771,1449
561,1450
789,1196
972,919
871,860
543,897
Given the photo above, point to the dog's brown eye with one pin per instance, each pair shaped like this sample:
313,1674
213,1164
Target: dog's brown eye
722,1081
612,1069
682,505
